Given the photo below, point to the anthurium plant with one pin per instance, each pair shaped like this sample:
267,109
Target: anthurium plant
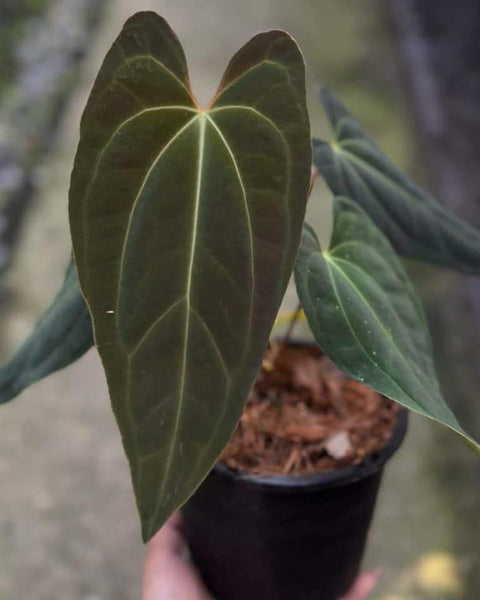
187,223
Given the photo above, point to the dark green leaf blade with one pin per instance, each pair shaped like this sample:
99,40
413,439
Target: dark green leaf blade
416,225
364,314
61,336
185,224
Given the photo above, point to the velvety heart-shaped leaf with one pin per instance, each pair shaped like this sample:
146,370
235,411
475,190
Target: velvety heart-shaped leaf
185,225
365,316
416,225
61,336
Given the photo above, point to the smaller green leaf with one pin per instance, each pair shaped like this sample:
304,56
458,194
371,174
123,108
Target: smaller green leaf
63,335
365,316
416,225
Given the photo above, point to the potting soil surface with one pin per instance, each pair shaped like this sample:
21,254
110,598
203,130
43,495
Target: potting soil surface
305,416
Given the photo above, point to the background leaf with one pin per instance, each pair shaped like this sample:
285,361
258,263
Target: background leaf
416,225
62,336
185,224
365,316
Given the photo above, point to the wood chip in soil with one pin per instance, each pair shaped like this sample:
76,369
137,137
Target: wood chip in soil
304,416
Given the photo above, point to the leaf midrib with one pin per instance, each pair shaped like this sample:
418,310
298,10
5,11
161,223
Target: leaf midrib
386,332
362,348
343,164
203,116
362,164
137,198
250,229
199,113
181,394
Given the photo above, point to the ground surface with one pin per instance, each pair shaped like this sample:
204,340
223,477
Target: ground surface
68,527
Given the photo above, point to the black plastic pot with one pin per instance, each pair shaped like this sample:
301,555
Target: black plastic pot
285,538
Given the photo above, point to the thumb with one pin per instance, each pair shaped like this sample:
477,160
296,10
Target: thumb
363,586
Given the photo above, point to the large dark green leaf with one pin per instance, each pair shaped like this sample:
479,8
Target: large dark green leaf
62,335
185,224
365,316
416,225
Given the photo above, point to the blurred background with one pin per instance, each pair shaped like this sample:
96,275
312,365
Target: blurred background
410,71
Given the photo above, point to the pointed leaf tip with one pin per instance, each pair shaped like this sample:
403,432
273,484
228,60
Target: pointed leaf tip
62,335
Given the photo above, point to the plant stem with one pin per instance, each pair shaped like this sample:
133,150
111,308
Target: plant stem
291,325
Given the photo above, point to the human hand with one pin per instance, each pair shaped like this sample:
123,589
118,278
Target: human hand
363,586
168,575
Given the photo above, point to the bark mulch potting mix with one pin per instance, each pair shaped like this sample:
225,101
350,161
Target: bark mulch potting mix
305,416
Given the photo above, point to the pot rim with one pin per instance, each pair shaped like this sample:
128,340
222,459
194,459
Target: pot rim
318,481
